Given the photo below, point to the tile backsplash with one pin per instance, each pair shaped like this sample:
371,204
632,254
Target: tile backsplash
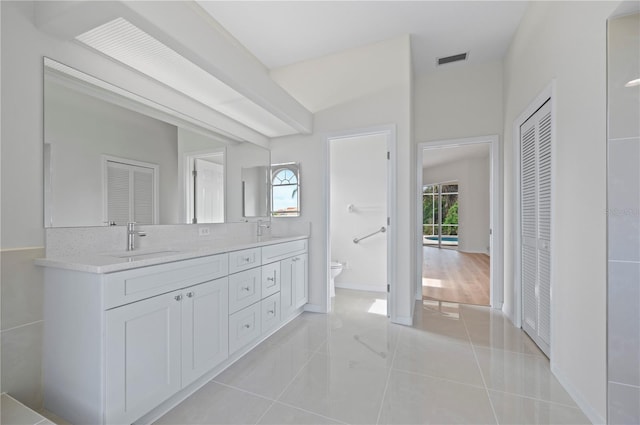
21,332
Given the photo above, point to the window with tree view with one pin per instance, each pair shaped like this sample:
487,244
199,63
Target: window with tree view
285,198
440,214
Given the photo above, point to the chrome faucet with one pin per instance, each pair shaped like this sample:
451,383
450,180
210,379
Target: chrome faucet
263,225
131,236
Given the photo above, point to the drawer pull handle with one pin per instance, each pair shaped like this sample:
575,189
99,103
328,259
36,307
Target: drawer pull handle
271,312
271,279
247,326
178,297
247,259
191,294
245,288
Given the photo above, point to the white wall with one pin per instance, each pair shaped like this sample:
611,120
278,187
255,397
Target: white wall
458,101
358,178
566,41
80,129
472,175
388,102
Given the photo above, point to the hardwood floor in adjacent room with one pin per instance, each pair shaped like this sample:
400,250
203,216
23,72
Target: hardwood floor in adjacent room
450,275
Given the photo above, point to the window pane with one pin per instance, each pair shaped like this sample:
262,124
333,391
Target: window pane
285,199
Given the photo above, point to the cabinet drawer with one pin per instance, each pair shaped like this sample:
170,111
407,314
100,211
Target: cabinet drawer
244,327
244,289
270,279
137,284
245,259
280,251
270,312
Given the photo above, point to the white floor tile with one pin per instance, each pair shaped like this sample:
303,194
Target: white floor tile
217,404
266,370
424,355
15,413
340,389
414,399
280,414
513,409
521,374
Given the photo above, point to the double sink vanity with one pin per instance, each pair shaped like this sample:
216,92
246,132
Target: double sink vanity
128,335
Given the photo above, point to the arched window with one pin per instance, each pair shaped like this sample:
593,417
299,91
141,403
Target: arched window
285,187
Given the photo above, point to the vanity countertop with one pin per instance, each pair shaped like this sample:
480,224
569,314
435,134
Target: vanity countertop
110,262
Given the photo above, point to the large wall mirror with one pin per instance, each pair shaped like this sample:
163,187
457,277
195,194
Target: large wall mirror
110,158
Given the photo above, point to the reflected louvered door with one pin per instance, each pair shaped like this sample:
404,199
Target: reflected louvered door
142,195
130,193
535,219
118,193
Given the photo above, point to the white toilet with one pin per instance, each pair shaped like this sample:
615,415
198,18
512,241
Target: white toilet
336,269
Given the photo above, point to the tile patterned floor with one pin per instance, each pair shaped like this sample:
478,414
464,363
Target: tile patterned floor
457,365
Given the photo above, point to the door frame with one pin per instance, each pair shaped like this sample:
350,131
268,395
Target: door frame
390,132
548,93
496,253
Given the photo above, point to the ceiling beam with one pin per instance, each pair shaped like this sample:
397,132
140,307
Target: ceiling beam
190,31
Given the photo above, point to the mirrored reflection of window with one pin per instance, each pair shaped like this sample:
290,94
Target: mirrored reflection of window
285,190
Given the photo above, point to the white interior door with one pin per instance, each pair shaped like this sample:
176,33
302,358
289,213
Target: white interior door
535,228
209,195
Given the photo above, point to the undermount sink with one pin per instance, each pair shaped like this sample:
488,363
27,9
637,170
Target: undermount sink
142,255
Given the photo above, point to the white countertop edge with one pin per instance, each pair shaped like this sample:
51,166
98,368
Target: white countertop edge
104,263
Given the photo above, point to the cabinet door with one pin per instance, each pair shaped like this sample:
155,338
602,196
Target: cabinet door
300,280
287,297
142,356
205,327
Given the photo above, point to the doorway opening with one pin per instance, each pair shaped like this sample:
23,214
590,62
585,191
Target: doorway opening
359,223
459,229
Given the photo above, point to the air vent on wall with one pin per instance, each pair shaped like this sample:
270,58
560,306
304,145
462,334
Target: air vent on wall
454,58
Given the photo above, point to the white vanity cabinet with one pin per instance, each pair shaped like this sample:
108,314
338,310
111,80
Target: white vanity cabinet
120,345
159,345
291,260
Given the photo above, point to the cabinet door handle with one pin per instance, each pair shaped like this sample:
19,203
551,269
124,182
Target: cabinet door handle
271,312
191,294
247,326
245,288
178,297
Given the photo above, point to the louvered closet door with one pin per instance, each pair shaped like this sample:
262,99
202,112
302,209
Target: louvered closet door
535,219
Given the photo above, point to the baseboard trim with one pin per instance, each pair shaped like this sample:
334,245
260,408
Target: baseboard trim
589,411
315,308
402,320
360,287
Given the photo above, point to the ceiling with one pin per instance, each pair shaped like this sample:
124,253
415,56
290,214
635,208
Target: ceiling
281,33
440,156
